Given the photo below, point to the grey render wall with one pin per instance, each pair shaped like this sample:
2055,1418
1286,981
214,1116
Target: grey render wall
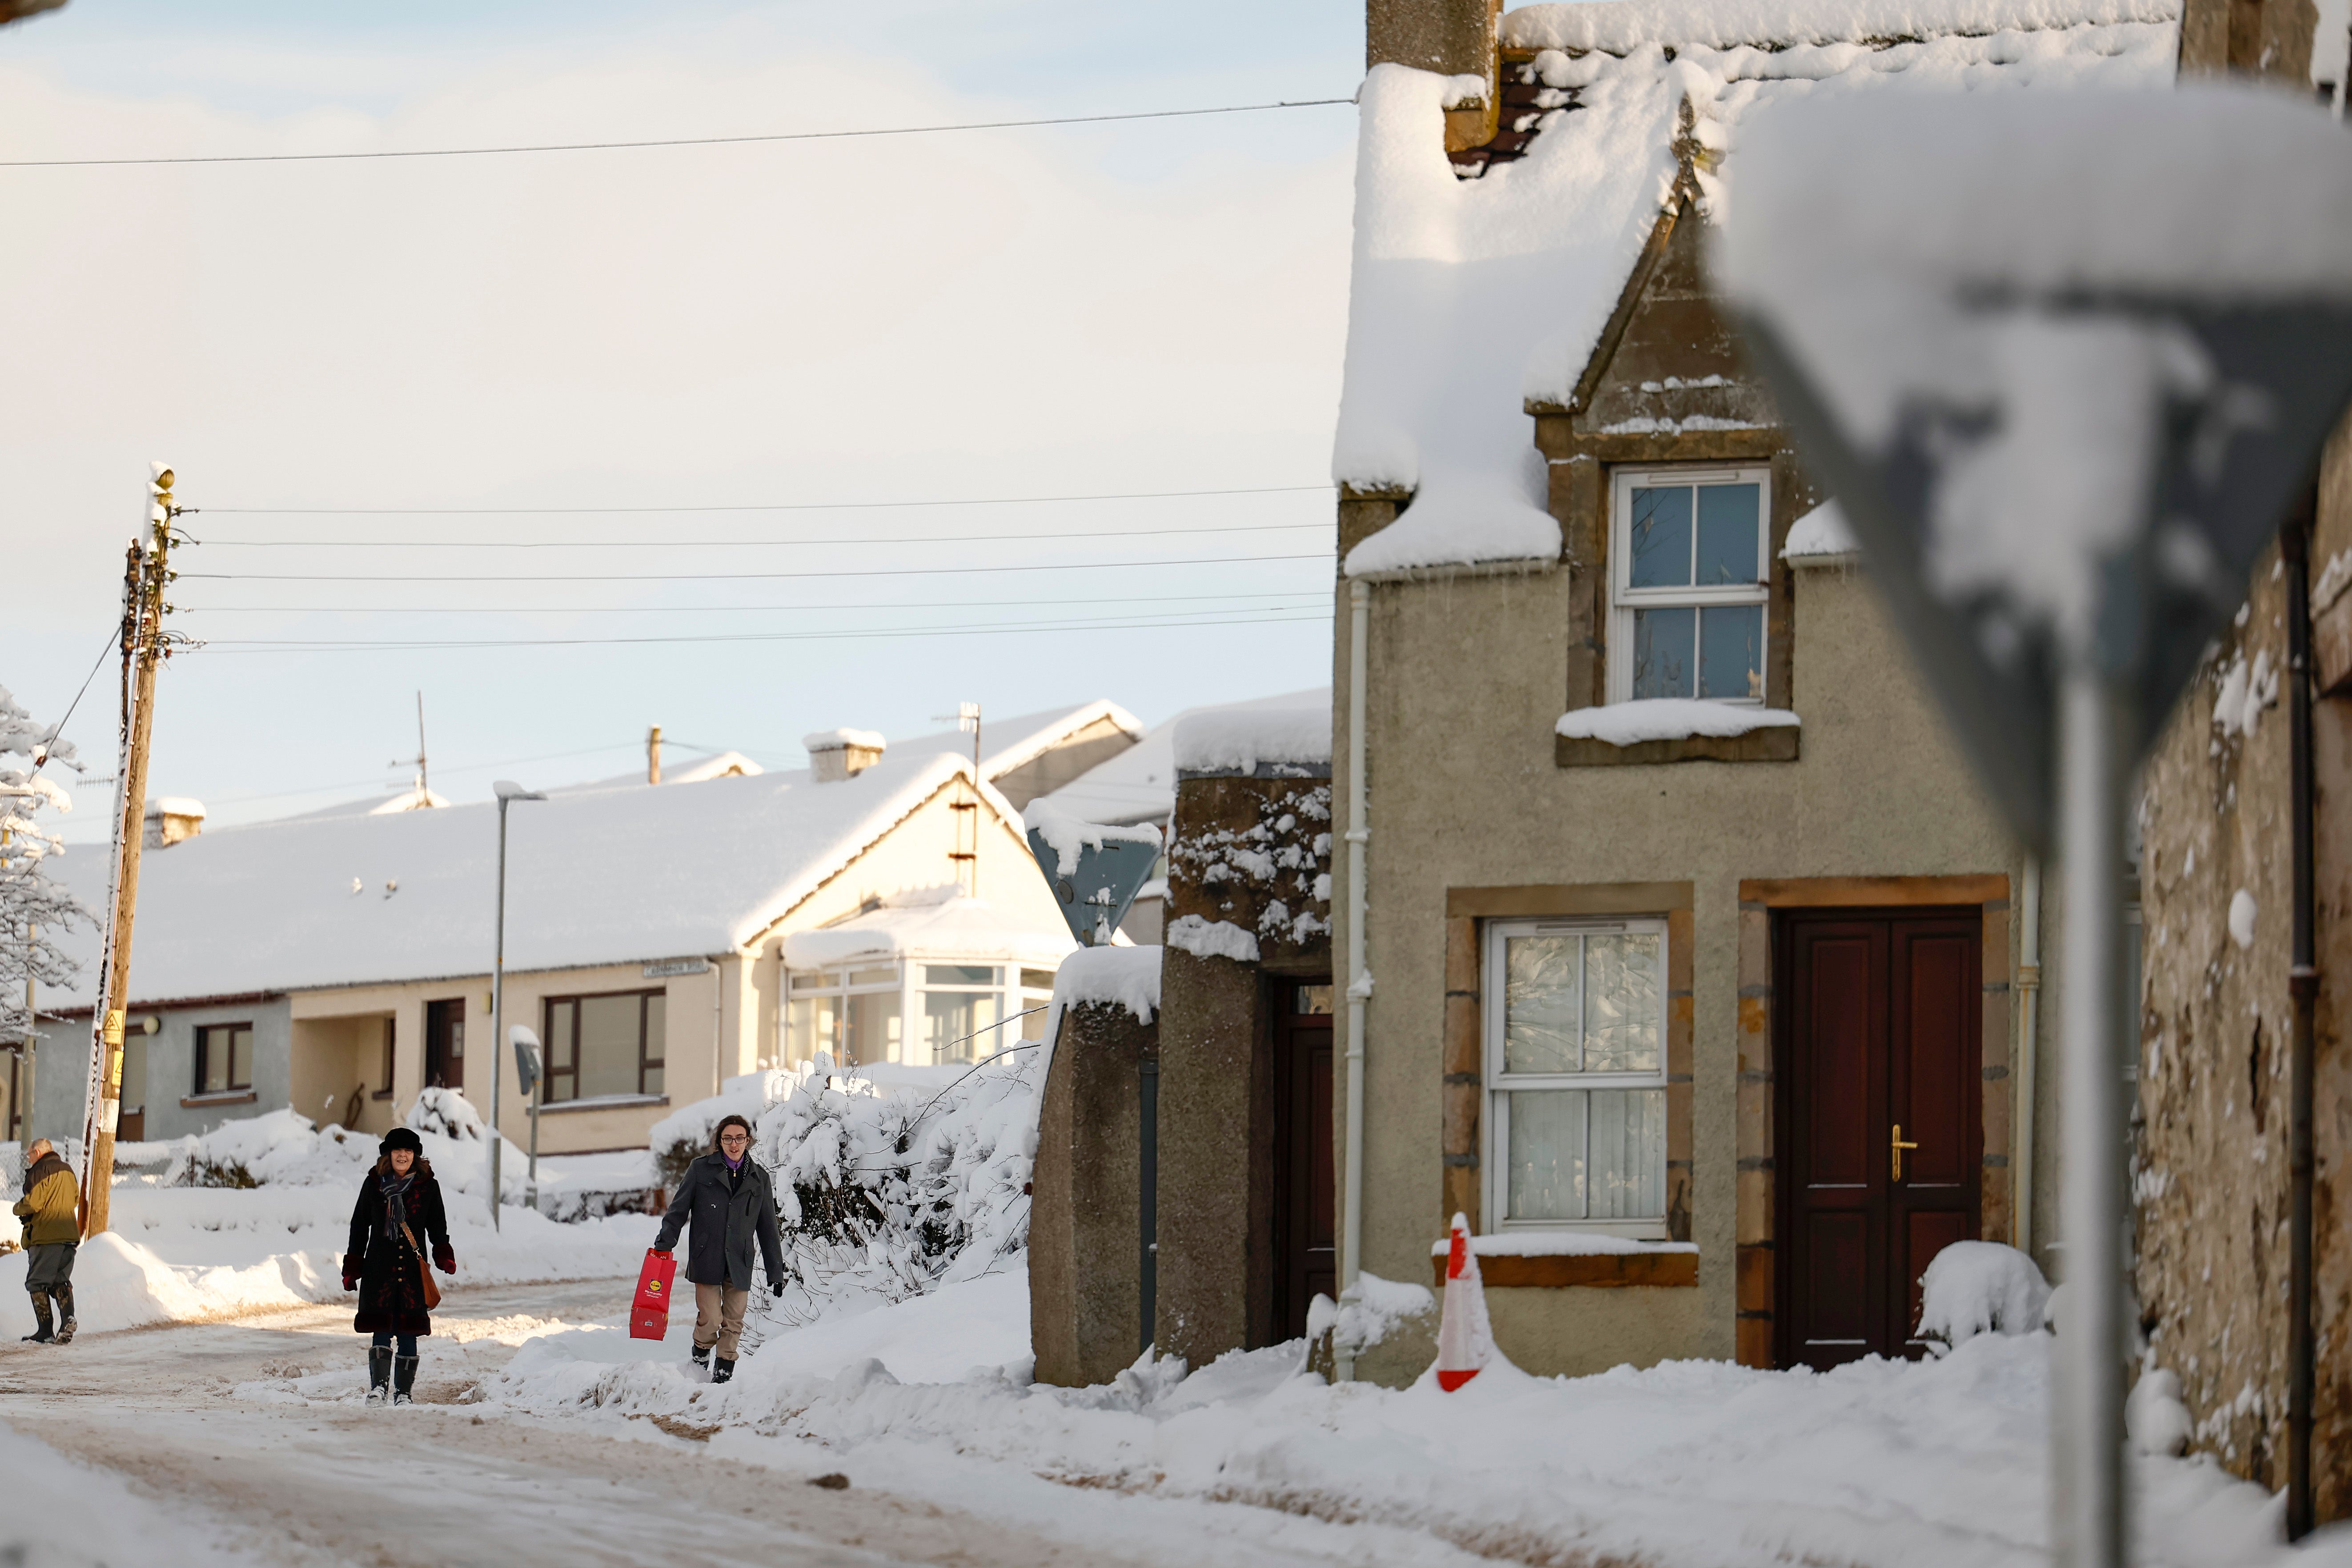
63,1072
1466,681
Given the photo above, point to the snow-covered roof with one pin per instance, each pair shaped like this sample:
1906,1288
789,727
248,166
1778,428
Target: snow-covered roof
1472,298
928,922
1139,783
617,875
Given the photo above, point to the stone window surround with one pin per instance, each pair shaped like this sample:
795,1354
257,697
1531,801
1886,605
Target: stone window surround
1759,1214
1581,467
1463,1064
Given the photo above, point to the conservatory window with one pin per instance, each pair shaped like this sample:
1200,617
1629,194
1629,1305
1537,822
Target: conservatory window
963,1005
1037,995
1689,583
852,1015
1575,1072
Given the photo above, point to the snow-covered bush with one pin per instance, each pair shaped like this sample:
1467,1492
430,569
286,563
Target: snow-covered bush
684,1135
33,910
278,1149
1976,1287
888,1195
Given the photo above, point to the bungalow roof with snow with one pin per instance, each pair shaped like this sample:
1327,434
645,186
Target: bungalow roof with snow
1683,920
340,962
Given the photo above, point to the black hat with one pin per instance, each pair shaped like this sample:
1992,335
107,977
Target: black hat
402,1138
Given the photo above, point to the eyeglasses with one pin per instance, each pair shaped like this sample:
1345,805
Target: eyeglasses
734,1138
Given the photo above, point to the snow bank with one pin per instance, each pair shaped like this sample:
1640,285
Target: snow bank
1975,1287
2154,1417
178,1254
1211,939
1700,1464
1242,740
71,1512
1668,719
1821,534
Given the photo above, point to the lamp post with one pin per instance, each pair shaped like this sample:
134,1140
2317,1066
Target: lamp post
508,792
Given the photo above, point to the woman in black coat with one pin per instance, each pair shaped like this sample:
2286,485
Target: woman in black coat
399,1211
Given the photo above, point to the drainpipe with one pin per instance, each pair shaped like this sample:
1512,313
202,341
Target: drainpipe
1360,980
718,1024
2302,986
2029,993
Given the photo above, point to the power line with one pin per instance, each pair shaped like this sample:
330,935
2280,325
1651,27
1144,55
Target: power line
696,609
741,506
265,646
743,544
726,576
666,140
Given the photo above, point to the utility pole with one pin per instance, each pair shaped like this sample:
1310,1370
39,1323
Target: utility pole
653,755
424,781
146,573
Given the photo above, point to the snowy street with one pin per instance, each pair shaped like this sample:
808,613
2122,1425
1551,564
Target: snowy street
181,1409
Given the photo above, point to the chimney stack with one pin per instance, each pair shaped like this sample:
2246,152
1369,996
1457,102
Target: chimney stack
171,819
653,755
838,754
1451,38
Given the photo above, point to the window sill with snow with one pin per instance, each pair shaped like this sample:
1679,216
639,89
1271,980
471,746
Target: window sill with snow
600,1102
1561,1258
1673,730
217,1097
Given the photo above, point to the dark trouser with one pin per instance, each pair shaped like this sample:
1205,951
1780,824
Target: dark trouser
49,1265
384,1337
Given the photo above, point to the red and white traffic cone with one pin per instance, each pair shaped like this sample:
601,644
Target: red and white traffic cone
1466,1342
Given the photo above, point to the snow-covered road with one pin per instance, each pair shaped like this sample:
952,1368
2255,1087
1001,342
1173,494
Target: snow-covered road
184,1412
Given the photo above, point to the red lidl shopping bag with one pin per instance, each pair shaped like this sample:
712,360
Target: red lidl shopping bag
649,1312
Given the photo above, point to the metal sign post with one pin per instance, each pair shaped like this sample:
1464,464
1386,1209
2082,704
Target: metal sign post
2064,428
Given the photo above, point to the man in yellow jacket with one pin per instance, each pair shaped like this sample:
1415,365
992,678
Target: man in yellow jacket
52,1233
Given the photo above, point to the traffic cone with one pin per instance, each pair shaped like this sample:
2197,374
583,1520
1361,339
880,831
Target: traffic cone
1466,1342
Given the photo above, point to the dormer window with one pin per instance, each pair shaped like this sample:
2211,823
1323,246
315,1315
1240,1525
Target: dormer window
1689,581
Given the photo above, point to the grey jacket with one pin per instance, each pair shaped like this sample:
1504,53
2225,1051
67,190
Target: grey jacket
728,1213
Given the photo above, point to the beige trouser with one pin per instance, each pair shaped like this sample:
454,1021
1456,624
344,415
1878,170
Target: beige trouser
719,1315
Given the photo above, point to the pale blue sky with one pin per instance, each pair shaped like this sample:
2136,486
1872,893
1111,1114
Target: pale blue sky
1139,307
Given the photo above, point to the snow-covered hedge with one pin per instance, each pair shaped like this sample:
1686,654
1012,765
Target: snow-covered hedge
1980,1286
888,1194
684,1135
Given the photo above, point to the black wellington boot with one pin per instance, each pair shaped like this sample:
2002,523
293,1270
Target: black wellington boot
44,1332
63,1296
722,1371
379,1375
403,1378
702,1357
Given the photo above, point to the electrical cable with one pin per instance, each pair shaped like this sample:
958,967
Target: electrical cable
258,645
722,577
696,609
734,506
742,544
666,140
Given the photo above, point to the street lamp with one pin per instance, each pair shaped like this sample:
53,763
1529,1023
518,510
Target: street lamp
508,792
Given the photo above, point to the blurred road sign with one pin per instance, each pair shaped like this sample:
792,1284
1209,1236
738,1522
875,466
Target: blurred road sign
1099,882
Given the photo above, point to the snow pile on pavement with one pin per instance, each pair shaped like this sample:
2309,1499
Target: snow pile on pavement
1975,1287
180,1253
1694,1463
69,1512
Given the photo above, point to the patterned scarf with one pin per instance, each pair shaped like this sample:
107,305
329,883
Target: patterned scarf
395,1198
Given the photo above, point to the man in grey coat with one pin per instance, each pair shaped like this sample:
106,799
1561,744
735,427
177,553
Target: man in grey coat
730,1201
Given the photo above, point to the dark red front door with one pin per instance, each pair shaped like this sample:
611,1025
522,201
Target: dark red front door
1882,1132
1305,1188
444,1044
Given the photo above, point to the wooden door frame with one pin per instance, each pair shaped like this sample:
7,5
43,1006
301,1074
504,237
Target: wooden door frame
1284,1108
1758,1217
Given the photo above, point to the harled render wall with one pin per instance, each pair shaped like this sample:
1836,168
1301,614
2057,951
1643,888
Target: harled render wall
1474,807
2215,1035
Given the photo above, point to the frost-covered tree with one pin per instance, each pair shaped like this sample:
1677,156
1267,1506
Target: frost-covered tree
34,909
